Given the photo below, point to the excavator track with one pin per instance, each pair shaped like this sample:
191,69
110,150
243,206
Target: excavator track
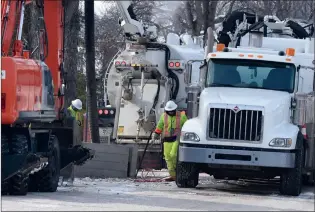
20,161
18,183
5,185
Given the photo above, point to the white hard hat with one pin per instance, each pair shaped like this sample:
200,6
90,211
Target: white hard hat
77,104
170,106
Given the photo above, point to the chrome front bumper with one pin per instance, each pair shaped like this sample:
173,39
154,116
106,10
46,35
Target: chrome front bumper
210,154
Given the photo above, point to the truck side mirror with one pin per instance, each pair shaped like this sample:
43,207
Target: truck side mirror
203,74
187,73
62,89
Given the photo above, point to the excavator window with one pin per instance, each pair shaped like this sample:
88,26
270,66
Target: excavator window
49,87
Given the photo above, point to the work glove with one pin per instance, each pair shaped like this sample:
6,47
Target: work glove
155,136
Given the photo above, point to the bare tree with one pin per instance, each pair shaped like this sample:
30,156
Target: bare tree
72,29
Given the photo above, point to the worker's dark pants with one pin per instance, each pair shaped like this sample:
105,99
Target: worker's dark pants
68,172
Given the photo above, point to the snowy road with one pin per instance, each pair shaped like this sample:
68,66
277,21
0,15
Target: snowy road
123,195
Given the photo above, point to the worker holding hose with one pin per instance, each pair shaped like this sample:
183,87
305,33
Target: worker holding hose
169,125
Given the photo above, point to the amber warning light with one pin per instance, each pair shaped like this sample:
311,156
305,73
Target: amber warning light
220,47
290,52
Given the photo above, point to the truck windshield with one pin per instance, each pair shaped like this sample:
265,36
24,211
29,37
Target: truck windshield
251,74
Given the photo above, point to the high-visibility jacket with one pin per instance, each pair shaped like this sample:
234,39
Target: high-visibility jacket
170,126
75,114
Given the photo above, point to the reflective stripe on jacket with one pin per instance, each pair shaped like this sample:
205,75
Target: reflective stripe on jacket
170,126
75,114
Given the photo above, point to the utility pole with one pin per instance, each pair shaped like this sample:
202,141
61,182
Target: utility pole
313,44
90,69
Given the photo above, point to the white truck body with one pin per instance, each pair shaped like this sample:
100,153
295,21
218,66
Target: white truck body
275,105
251,121
128,116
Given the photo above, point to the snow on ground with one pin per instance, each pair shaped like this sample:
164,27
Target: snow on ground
126,194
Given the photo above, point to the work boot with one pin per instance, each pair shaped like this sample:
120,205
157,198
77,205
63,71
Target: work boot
169,179
68,183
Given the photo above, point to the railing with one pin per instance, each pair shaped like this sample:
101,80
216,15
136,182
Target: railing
106,75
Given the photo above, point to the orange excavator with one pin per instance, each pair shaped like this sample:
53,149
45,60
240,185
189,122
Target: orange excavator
37,139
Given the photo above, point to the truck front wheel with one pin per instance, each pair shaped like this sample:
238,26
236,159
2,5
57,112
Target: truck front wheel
291,180
187,174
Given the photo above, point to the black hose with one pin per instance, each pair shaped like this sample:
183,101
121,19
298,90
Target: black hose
156,75
156,98
144,151
171,74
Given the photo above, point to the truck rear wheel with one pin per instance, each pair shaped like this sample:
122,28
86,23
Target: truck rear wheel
48,177
187,174
291,180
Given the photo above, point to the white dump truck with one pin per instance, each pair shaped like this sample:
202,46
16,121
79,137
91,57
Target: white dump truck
253,108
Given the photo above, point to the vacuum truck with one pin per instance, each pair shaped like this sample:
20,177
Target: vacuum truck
144,76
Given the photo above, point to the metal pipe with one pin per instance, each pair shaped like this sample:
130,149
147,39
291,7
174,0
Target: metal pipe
86,117
142,111
118,105
19,37
142,84
106,76
210,41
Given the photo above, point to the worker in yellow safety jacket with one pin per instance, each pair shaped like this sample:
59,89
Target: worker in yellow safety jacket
169,126
74,110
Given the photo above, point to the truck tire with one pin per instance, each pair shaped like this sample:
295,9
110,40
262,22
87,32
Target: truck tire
291,180
19,184
48,178
187,174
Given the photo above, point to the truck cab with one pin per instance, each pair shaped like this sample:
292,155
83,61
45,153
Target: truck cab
253,107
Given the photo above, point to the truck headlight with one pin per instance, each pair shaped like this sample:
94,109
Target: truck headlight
280,142
189,136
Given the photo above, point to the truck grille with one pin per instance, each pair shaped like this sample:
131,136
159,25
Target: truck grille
243,125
